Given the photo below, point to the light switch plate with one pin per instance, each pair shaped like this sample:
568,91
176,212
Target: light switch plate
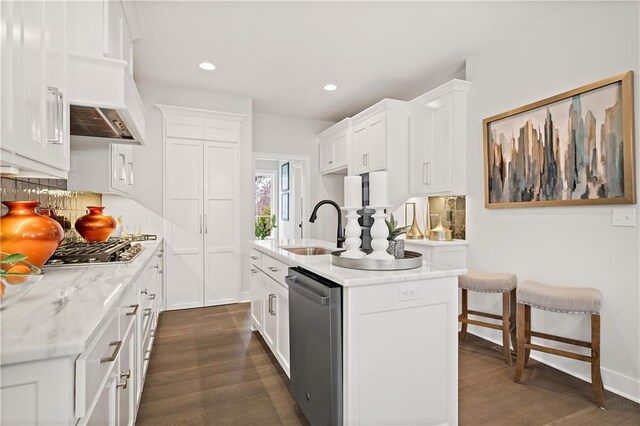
624,217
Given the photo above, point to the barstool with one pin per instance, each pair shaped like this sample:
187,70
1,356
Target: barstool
486,282
584,301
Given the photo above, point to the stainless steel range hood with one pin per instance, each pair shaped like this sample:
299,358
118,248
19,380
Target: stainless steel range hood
104,101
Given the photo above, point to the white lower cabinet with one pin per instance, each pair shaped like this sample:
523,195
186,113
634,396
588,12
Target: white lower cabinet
270,305
102,385
454,255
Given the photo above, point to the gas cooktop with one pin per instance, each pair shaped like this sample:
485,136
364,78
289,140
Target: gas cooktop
86,253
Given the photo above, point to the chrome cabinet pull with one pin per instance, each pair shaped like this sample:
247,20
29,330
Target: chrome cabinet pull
134,312
200,224
273,269
126,374
206,228
130,173
144,291
271,298
114,355
122,385
159,255
330,162
147,312
255,257
148,353
254,271
152,296
54,118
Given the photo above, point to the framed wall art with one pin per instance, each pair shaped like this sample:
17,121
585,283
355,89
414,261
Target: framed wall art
575,148
284,177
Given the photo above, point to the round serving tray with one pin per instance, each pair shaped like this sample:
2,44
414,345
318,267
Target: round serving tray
411,260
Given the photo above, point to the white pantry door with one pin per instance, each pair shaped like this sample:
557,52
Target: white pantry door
184,223
222,223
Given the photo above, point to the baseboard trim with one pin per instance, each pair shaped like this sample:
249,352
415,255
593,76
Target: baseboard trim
622,385
245,297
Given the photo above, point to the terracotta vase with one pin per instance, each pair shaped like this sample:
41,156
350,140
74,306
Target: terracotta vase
22,230
95,226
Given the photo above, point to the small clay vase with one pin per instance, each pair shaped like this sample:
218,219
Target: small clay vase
95,226
22,230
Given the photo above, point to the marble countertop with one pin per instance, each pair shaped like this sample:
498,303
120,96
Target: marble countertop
321,265
44,325
430,243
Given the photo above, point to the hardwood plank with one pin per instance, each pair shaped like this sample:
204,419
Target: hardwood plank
208,368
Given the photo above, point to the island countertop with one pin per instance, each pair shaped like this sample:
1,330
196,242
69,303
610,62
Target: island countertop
321,265
44,325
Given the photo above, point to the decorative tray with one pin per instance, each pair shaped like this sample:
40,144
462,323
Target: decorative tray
411,260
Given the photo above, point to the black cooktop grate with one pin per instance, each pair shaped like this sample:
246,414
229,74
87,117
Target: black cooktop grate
86,252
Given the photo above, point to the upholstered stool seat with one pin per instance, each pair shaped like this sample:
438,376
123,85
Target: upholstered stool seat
560,299
565,300
491,282
488,282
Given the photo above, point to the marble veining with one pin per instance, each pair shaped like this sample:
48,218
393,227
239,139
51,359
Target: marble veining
66,309
322,266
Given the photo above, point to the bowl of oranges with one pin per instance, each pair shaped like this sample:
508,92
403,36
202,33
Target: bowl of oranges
17,277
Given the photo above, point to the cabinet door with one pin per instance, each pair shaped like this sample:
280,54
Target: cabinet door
257,305
105,410
282,325
183,224
360,150
119,167
269,325
221,223
11,79
340,149
438,148
326,155
56,142
377,143
418,119
127,380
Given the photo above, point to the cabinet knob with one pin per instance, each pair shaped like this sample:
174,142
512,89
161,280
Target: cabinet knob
123,384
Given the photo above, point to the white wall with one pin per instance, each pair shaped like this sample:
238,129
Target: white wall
569,246
296,136
145,207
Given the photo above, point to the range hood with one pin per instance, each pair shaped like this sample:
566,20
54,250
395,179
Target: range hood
104,102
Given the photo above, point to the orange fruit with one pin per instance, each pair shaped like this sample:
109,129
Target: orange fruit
2,287
17,269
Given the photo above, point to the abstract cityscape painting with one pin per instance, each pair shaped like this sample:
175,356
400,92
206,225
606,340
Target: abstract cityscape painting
571,149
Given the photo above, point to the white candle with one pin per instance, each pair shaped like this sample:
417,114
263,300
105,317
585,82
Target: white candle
378,189
353,192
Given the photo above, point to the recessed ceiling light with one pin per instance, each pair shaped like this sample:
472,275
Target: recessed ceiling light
207,66
330,87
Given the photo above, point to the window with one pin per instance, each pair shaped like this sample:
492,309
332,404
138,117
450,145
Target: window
265,210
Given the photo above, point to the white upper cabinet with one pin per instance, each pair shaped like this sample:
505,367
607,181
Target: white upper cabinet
101,167
437,128
34,114
334,145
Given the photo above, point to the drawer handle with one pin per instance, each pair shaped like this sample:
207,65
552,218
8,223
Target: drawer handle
271,297
152,296
159,254
147,352
147,312
134,312
122,384
152,333
114,355
155,267
254,271
144,292
126,374
273,269
255,257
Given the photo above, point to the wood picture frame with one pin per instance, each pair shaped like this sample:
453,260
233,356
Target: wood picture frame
533,173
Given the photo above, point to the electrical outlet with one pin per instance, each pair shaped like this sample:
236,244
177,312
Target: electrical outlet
409,292
624,217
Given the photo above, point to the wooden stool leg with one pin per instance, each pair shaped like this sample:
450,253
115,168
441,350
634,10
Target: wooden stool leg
464,314
506,347
521,339
596,378
512,319
527,331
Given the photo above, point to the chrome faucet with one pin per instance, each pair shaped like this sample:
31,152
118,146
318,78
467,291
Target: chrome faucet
314,215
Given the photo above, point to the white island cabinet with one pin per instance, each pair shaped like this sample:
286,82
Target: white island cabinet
75,349
400,344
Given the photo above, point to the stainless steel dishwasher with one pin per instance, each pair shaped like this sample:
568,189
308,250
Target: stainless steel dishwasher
315,330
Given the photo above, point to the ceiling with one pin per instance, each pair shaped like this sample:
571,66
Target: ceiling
282,54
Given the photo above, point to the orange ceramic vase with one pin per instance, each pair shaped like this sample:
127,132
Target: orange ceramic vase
22,230
95,226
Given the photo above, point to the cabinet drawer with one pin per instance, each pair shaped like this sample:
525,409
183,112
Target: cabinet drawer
256,258
275,269
95,363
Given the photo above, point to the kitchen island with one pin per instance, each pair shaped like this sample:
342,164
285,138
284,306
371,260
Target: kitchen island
399,334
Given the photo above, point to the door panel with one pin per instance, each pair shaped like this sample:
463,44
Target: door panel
269,324
222,224
257,307
417,140
340,150
326,155
439,172
377,142
184,224
360,149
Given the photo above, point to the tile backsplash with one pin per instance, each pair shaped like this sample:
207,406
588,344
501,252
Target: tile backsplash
451,211
53,193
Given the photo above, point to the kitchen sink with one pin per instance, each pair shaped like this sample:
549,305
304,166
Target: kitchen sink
308,251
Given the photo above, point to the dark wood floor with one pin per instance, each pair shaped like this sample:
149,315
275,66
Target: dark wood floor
207,368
